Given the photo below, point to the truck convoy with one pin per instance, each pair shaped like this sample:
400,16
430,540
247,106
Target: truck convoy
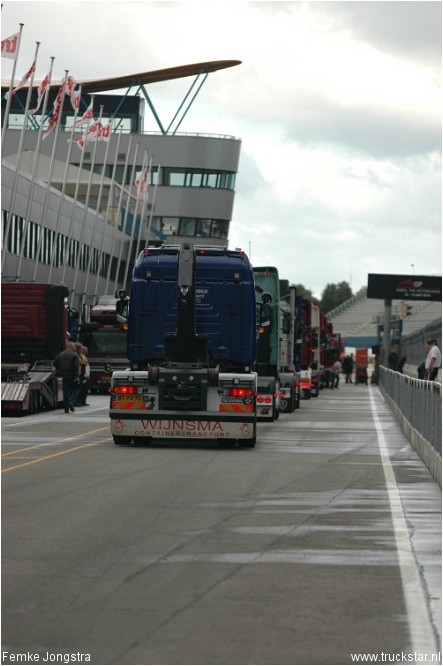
213,346
191,349
34,330
267,286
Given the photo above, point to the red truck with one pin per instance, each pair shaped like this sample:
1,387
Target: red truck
104,333
34,330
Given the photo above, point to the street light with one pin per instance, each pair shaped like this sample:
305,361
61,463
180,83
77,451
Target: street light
413,269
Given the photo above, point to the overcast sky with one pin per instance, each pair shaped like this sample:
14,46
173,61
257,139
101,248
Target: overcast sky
338,106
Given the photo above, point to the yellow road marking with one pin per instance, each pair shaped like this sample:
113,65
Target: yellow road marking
57,441
52,455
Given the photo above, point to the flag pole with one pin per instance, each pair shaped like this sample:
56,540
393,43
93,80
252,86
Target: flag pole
8,101
144,205
117,214
34,174
126,215
70,243
97,209
62,199
105,216
50,173
19,158
152,204
134,219
85,215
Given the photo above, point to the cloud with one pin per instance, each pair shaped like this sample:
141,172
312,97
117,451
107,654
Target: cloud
337,105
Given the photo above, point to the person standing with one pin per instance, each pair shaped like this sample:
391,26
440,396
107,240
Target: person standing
348,366
85,371
335,374
66,364
393,358
433,360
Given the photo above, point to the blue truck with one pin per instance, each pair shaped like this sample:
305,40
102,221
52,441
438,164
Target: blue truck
191,347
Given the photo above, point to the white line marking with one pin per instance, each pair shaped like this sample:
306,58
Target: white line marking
422,633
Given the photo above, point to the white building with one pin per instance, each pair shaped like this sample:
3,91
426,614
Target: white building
73,216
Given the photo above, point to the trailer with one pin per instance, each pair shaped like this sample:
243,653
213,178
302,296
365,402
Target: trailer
267,286
34,330
361,366
191,348
289,378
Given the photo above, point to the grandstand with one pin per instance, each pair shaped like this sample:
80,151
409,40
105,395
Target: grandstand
357,318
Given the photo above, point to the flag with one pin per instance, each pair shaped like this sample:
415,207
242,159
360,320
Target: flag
29,73
56,112
10,46
142,182
88,115
75,100
80,142
104,133
41,92
70,85
92,132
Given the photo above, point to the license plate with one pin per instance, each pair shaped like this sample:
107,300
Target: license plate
128,398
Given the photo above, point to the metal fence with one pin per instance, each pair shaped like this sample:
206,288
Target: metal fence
416,404
413,346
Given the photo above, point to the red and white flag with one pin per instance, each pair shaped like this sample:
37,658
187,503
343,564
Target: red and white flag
142,182
88,115
41,92
56,112
75,100
80,142
70,85
104,133
10,46
93,131
28,74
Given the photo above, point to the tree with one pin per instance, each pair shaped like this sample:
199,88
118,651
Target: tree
306,293
334,295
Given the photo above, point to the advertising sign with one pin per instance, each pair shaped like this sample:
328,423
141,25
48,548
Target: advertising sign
404,287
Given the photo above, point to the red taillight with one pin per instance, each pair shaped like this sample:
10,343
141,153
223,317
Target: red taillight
240,392
266,399
125,390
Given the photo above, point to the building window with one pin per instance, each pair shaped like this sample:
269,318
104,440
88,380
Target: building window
202,228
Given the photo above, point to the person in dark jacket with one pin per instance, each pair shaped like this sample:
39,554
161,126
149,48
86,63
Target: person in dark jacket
348,367
66,364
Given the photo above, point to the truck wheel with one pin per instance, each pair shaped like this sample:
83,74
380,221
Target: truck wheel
247,443
121,441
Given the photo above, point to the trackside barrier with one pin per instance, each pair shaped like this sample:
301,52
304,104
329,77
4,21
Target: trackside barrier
416,404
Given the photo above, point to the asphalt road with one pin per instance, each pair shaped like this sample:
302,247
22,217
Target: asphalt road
322,543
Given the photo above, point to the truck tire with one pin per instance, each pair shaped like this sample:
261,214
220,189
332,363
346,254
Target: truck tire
247,443
121,441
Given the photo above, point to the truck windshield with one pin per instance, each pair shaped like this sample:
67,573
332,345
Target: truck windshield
108,342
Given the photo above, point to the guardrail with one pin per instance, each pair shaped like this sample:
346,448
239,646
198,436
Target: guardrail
416,404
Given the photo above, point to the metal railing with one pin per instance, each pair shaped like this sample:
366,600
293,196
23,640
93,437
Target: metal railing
417,405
